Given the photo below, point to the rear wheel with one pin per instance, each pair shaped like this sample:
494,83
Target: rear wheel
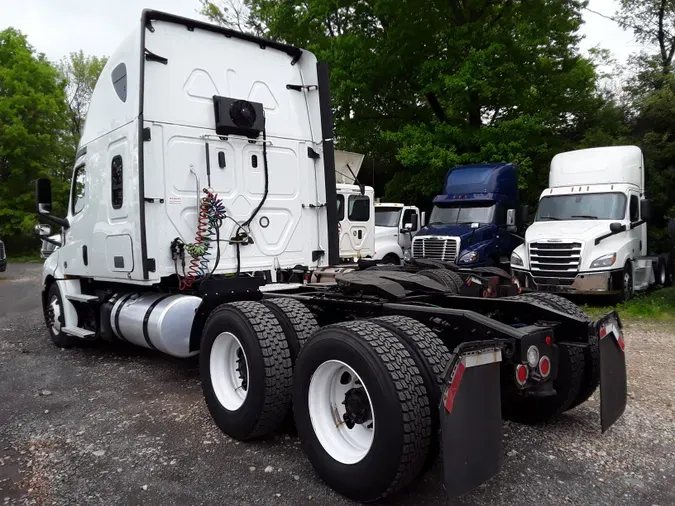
661,273
55,321
445,277
296,321
431,357
361,410
246,369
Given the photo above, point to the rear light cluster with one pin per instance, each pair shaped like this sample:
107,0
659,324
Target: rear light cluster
536,363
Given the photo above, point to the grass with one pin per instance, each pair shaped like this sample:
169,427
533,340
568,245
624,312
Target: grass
25,258
656,305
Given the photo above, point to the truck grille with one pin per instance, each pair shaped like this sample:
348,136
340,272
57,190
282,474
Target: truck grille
2,250
436,248
555,259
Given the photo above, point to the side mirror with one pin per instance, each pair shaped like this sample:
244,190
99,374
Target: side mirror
43,230
510,218
525,213
616,227
415,222
407,227
645,209
671,230
43,195
423,221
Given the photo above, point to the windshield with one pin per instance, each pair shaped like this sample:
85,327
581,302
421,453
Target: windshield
387,216
591,206
462,214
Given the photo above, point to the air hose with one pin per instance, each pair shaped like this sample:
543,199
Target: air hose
211,215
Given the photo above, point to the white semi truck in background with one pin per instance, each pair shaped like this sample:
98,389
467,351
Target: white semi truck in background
395,226
205,174
589,234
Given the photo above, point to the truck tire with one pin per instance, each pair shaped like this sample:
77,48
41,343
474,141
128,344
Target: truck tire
591,379
627,288
383,443
296,321
661,273
246,369
431,357
535,410
446,277
54,319
391,259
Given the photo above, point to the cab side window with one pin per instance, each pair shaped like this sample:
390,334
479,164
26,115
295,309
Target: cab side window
79,188
340,207
634,208
359,208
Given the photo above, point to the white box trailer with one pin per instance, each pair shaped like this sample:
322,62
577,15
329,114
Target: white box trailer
205,181
589,234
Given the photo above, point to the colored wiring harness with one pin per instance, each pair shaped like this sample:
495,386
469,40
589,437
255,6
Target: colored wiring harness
211,215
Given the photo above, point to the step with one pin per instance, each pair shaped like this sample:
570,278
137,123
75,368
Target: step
82,297
78,332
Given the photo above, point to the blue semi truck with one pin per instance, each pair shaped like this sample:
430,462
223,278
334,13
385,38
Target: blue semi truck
474,220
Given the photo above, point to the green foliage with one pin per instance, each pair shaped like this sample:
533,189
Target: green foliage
80,73
33,124
656,305
422,86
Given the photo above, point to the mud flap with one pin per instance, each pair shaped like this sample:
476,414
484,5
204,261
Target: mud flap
471,419
613,380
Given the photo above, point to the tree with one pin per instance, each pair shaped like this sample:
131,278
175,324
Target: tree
81,73
652,22
651,94
33,121
419,86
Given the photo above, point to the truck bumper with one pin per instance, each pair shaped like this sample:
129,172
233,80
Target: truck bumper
605,282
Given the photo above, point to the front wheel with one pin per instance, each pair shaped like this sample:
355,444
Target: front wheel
627,288
55,321
361,410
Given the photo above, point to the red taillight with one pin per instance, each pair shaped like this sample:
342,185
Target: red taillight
544,366
549,341
521,374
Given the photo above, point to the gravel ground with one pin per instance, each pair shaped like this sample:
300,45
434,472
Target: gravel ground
105,424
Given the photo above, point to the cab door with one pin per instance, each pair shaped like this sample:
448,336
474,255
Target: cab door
408,216
635,229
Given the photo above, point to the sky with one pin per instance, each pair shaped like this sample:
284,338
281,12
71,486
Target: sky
59,27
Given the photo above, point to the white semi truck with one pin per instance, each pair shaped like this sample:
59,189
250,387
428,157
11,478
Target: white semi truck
355,211
205,175
589,234
395,226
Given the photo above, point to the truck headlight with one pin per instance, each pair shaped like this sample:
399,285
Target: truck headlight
516,260
469,258
604,261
